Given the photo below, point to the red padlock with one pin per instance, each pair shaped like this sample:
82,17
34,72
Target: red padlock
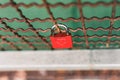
62,39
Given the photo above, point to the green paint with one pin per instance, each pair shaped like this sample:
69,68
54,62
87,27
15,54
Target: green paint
33,12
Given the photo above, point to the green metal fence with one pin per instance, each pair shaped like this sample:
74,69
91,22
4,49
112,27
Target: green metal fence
25,24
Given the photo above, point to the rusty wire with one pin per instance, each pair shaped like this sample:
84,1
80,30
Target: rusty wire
26,20
57,4
83,23
51,15
112,22
15,33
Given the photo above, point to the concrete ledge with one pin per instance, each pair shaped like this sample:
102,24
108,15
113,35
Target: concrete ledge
54,60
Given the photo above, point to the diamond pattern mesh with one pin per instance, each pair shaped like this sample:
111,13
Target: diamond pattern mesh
25,24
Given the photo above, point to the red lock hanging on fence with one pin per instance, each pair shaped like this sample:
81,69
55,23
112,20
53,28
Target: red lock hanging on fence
60,40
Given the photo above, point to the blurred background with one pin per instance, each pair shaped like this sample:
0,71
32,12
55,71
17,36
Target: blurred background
61,75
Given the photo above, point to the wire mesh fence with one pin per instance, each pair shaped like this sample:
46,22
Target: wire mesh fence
26,24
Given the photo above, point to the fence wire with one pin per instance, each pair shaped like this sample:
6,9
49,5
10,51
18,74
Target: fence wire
84,37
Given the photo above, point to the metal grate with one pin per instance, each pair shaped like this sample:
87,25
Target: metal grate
93,24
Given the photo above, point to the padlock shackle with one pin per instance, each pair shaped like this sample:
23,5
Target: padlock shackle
61,25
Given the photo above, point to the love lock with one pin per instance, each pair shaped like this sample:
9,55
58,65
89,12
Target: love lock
61,39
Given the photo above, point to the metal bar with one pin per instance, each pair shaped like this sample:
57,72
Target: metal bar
72,30
61,19
83,23
57,4
111,23
51,15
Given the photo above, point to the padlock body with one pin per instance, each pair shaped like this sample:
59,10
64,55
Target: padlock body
61,40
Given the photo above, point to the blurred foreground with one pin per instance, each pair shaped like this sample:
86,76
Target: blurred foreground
60,75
